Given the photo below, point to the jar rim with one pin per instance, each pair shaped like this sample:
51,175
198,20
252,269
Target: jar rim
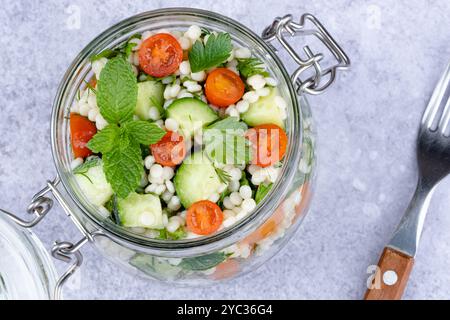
225,237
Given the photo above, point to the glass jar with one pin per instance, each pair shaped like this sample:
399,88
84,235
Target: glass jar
242,247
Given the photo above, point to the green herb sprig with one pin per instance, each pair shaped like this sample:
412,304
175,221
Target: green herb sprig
216,51
119,142
251,66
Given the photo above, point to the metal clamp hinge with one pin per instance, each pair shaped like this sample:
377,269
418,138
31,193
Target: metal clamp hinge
322,78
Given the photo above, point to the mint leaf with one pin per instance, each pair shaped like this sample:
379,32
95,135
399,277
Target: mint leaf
225,142
251,66
84,168
262,191
105,140
123,166
216,50
117,91
144,132
203,262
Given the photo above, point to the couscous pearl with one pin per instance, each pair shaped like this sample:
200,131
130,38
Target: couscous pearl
256,81
168,173
214,197
166,196
263,92
156,171
280,102
189,83
194,88
185,42
229,222
248,205
151,188
167,103
149,161
185,68
198,76
100,122
84,109
158,180
245,192
92,100
194,32
171,124
232,111
169,186
174,203
146,218
228,213
98,65
233,185
271,81
227,203
242,53
175,90
236,198
242,106
76,162
235,174
257,180
173,225
283,114
241,215
153,113
93,114
251,96
160,189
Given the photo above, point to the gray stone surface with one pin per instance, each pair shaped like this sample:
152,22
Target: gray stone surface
367,128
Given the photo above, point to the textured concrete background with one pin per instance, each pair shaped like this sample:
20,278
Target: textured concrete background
367,129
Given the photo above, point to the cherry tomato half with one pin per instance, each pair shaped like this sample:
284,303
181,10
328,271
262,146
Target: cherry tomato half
160,55
170,150
81,131
223,87
204,217
269,143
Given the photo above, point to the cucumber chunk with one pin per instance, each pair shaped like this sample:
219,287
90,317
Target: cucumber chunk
264,111
150,94
140,210
196,179
92,182
191,114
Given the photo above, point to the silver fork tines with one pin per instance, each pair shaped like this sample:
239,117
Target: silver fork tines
439,99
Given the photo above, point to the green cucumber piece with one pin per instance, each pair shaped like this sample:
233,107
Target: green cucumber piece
196,179
191,114
264,111
92,181
150,94
135,205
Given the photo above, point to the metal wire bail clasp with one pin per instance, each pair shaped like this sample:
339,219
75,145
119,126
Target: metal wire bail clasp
321,78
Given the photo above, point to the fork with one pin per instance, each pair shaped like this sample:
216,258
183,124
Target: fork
433,155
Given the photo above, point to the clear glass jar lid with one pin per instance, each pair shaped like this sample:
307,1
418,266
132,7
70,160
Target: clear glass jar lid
26,269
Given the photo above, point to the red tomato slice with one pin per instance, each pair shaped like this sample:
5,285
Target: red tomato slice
81,131
223,87
170,150
204,217
160,55
269,144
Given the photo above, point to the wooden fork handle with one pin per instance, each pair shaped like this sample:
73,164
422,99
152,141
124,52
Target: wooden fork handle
391,276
